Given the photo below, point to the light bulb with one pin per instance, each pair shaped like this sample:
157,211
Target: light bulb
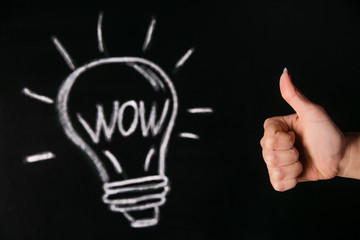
133,195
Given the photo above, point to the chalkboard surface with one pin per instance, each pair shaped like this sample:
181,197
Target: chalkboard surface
103,103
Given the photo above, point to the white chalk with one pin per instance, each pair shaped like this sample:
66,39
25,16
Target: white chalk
40,157
113,160
148,158
63,53
200,110
99,33
189,135
184,58
41,98
149,34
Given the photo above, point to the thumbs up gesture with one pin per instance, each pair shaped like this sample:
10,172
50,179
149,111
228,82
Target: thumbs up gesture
304,146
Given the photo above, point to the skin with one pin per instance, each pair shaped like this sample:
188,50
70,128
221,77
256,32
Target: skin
306,145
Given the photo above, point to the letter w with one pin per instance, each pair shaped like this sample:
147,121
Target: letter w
151,123
101,123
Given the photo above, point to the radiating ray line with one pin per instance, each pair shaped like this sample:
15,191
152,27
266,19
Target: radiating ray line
200,110
189,135
99,33
113,160
63,53
41,98
149,34
40,157
184,58
148,158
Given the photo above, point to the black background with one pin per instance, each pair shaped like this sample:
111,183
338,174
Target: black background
220,186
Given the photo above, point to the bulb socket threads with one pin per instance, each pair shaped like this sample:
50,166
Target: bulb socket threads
137,198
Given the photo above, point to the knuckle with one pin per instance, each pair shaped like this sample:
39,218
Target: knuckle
277,174
286,137
270,141
262,142
299,168
268,120
291,137
296,153
270,159
279,186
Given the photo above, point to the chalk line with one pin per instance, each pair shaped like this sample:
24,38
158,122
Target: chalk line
148,158
155,77
40,157
149,34
63,114
135,119
99,33
141,199
63,53
189,135
200,110
41,98
138,207
146,75
110,187
147,222
150,194
183,59
113,160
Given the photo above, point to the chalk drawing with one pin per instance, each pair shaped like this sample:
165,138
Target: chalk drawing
99,33
113,160
122,194
40,157
189,135
148,158
150,126
200,110
153,79
63,53
184,58
147,76
101,123
149,34
41,98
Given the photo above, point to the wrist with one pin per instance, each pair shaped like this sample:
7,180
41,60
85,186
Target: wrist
349,166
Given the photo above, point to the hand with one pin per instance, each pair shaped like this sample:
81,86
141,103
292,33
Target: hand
304,146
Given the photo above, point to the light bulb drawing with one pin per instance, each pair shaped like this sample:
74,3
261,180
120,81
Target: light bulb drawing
155,182
136,187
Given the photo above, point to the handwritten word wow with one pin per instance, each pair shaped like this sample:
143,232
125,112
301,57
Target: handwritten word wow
148,125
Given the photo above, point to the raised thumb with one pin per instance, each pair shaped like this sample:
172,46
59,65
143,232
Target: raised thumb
292,95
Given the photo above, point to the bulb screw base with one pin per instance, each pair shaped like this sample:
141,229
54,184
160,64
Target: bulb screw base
138,199
143,222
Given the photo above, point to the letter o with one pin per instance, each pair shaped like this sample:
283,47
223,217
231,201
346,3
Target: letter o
134,122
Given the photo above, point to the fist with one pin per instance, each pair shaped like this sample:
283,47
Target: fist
280,155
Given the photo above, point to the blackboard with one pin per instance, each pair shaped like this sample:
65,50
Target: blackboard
226,85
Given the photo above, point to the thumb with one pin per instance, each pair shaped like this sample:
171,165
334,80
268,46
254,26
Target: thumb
292,95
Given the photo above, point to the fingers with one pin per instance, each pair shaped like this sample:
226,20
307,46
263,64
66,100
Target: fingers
283,167
292,95
279,140
279,153
277,135
284,185
280,158
285,177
